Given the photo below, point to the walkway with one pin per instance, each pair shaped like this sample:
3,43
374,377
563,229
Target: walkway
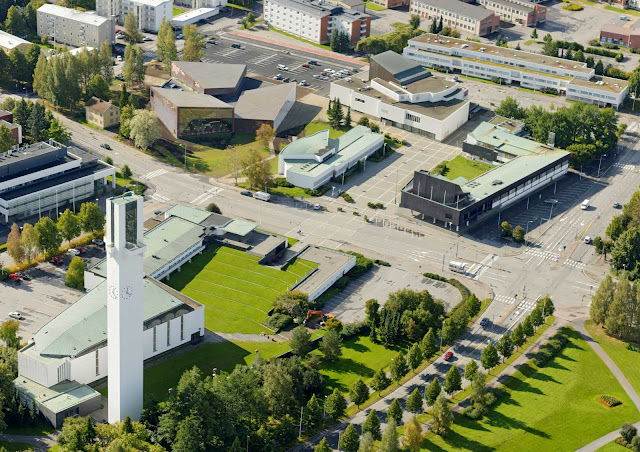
615,370
40,443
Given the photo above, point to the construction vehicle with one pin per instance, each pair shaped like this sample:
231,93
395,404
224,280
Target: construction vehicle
320,313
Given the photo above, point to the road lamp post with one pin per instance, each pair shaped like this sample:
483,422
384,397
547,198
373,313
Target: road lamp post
600,164
527,231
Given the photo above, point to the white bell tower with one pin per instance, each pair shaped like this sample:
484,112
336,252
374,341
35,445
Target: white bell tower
125,273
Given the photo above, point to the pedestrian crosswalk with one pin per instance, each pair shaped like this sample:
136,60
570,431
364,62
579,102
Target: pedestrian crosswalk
504,299
150,175
555,257
575,264
204,197
160,198
627,166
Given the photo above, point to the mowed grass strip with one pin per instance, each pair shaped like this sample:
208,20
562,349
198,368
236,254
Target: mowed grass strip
237,291
552,408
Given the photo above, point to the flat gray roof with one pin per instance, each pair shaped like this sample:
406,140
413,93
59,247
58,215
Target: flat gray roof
188,99
263,103
310,8
212,75
329,262
458,7
513,5
400,67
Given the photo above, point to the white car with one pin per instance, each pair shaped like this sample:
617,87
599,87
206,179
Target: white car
316,206
74,252
119,58
15,315
147,39
329,71
588,240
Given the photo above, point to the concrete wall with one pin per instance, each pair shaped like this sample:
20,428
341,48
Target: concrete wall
193,323
167,112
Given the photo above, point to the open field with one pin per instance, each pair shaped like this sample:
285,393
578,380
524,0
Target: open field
236,291
552,408
626,360
612,447
462,167
374,6
177,11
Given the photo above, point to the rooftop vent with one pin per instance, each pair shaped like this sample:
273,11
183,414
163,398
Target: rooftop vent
496,182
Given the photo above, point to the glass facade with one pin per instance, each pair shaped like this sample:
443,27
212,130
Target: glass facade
204,121
131,223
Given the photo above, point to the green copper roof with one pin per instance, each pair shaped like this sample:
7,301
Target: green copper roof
57,398
239,227
188,213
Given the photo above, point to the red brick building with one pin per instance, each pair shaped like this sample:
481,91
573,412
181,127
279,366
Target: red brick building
622,36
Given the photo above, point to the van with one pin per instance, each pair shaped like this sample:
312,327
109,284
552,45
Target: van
585,204
588,240
281,66
262,196
458,267
236,45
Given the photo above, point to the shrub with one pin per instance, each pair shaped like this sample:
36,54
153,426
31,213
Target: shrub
282,182
550,349
435,277
382,263
466,293
347,197
278,321
354,329
313,193
573,7
634,50
619,57
342,282
600,51
633,347
363,264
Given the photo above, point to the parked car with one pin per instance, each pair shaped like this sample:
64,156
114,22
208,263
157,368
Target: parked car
616,205
323,73
286,80
277,77
306,65
181,36
313,62
236,45
98,242
317,206
551,201
146,39
328,70
24,276
588,240
74,252
119,36
303,83
119,77
57,260
157,212
448,356
14,277
105,146
81,249
16,315
316,76
246,193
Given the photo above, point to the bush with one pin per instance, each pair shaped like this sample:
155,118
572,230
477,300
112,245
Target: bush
440,169
382,263
435,277
634,49
278,321
354,329
619,57
549,91
550,349
633,347
342,282
466,293
573,7
282,182
313,193
363,264
600,51
347,197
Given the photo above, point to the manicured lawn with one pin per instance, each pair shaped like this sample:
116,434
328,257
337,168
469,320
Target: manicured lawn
322,46
627,360
466,168
317,126
553,408
15,446
177,11
528,90
532,41
612,447
374,7
41,428
236,290
214,159
360,358
627,12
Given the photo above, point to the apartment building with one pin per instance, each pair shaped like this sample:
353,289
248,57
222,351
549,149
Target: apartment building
467,18
149,12
316,20
530,70
389,4
529,15
73,27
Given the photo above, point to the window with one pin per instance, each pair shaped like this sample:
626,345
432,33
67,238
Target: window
182,328
155,344
411,117
97,364
61,373
169,333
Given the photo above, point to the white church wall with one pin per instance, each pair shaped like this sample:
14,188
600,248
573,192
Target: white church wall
44,373
85,369
193,322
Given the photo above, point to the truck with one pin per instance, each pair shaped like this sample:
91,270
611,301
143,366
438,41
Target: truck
585,204
458,267
262,196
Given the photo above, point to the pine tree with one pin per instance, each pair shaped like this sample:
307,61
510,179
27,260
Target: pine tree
124,96
333,43
394,412
433,29
36,122
470,370
453,380
380,381
349,439
534,34
433,391
323,446
518,336
528,326
372,425
440,25
428,344
414,402
347,118
399,367
414,358
359,392
442,417
390,438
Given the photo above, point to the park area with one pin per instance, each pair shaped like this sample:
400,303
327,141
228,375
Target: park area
461,167
551,408
237,291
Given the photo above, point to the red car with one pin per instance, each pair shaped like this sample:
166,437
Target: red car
306,65
14,277
448,356
81,249
57,260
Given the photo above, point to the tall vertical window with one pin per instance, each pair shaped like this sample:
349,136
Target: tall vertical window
169,333
155,339
182,327
97,364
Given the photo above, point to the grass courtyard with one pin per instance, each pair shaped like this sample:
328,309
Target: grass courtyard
237,291
552,408
317,126
462,167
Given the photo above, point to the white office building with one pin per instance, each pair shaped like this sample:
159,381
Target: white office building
149,12
72,27
529,70
403,94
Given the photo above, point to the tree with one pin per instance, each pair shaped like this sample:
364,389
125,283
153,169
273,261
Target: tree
133,69
414,402
300,341
125,172
15,23
331,346
550,48
428,344
534,34
414,358
590,61
91,217
166,46
509,108
440,26
442,417
333,41
75,274
413,435
131,32
347,119
256,169
536,317
373,316
394,412
359,392
505,346
601,300
619,320
628,432
9,333
251,18
626,250
599,68
390,437
6,140
15,247
264,135
470,370
489,358
98,87
414,21
194,43
188,435
49,239
124,97
144,128
69,225
399,367
527,326
433,391
323,446
335,405
58,132
126,113
105,61
453,380
518,234
29,242
36,122
380,381
372,425
579,56
349,440
366,443
480,399
518,337
546,306
433,29
505,229
313,413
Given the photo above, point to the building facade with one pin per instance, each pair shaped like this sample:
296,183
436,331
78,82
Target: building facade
622,36
316,20
149,12
101,113
530,70
527,14
467,18
73,27
8,42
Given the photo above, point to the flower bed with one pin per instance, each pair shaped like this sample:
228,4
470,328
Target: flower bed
609,401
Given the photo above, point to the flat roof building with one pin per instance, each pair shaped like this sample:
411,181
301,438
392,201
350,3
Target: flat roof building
402,93
622,36
460,203
215,79
194,16
530,70
149,12
8,42
527,14
310,162
47,177
72,27
465,17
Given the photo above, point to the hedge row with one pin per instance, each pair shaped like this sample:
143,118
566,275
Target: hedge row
550,349
601,52
464,292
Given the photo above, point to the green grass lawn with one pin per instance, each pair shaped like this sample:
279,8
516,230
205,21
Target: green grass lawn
177,11
532,41
552,408
322,46
317,126
627,12
15,446
612,447
216,159
374,6
360,358
469,169
237,291
41,428
627,360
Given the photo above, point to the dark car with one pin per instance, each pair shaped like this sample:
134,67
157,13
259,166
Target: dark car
24,276
236,45
306,65
57,260
448,356
105,146
484,322
246,193
119,77
314,62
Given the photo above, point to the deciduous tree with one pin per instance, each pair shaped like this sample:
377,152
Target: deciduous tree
601,300
490,358
9,333
256,168
380,381
331,345
335,405
505,346
194,43
349,440
390,437
323,446
29,241
313,413
518,337
264,135
372,425
166,47
452,381
49,239
75,274
131,32
470,370
91,217
414,358
69,225
442,418
300,341
428,344
399,367
133,69
15,247
414,402
413,435
144,128
359,392
433,391
394,412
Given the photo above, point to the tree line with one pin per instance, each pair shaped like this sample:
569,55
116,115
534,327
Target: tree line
624,243
37,123
585,130
616,307
395,40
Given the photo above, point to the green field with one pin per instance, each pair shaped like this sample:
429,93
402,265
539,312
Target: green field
374,6
626,360
462,167
554,408
15,446
317,126
627,12
237,291
612,447
177,11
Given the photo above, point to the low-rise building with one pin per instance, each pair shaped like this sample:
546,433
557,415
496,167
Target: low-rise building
316,21
467,18
460,203
269,105
197,4
622,36
530,70
355,5
47,177
403,94
528,14
194,16
215,79
310,162
149,12
6,119
101,113
8,42
72,27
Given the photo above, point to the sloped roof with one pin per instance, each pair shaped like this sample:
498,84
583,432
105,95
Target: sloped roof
99,105
212,75
263,103
189,99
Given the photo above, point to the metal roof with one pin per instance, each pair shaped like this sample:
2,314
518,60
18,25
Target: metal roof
212,75
502,140
57,398
188,99
458,7
9,41
192,214
263,103
239,227
402,68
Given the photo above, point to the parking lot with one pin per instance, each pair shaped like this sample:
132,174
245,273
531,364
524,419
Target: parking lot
263,59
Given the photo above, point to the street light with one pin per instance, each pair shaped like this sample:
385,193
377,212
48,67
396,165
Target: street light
600,164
